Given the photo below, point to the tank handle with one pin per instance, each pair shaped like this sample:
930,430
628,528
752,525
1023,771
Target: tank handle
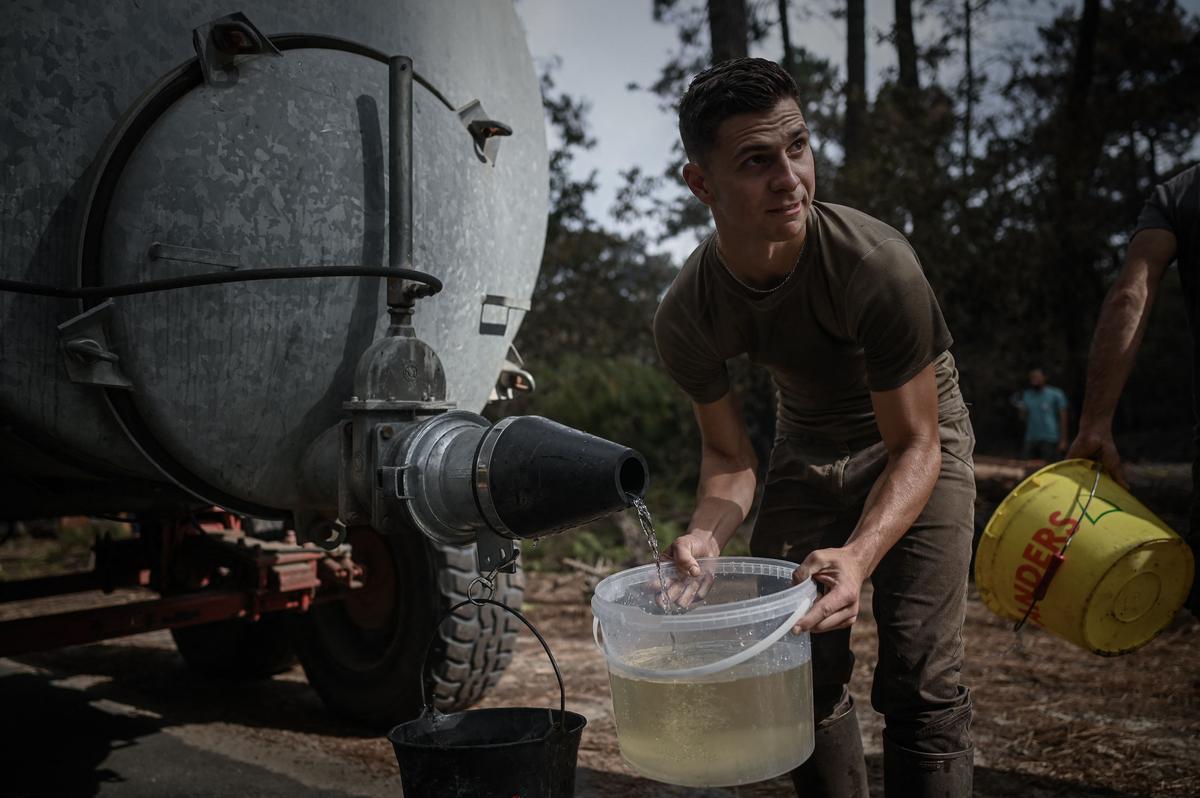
806,601
427,704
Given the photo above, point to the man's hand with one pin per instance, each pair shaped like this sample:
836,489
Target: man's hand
841,573
1100,446
690,547
694,585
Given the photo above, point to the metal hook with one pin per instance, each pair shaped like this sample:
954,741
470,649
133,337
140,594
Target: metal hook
486,587
488,583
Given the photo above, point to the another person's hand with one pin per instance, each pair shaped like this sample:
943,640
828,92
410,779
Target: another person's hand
1063,445
841,573
1101,447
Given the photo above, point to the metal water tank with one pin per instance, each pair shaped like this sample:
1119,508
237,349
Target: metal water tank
189,145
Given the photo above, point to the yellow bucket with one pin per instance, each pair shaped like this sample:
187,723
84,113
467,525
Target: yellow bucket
1123,578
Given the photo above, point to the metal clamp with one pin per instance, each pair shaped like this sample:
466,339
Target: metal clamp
220,43
509,304
89,350
485,133
396,476
87,355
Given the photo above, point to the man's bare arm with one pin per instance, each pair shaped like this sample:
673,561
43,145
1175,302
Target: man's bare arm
728,477
908,421
1119,332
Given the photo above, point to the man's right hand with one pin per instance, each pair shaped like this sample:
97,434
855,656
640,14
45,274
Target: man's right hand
694,582
690,547
1100,446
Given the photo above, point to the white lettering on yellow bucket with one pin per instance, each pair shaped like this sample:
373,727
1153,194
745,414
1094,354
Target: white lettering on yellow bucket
1125,574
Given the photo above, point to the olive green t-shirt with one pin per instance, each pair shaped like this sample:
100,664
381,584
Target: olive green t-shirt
856,315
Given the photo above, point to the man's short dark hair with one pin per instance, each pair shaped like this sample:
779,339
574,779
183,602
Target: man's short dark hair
737,86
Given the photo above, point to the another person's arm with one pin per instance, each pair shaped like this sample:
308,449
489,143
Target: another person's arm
908,421
1118,335
728,477
1017,400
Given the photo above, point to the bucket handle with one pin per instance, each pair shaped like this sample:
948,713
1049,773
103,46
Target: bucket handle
1060,556
427,704
806,601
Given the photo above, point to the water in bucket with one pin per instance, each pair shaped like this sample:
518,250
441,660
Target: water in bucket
746,724
716,694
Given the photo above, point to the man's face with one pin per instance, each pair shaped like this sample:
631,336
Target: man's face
1037,379
758,179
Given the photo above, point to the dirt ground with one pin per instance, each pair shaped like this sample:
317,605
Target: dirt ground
1051,719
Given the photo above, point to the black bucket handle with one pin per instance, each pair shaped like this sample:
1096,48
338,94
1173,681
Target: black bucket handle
427,705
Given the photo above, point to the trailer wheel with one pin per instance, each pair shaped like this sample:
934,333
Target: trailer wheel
363,655
237,649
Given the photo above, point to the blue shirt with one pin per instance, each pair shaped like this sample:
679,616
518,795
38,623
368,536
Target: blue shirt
1041,413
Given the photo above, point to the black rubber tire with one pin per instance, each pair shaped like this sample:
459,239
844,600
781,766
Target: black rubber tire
374,675
238,649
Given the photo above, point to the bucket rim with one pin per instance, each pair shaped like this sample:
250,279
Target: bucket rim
723,616
1030,481
574,726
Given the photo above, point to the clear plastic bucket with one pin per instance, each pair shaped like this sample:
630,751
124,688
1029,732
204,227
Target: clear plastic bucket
716,694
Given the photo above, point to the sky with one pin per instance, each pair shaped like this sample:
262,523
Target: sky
604,45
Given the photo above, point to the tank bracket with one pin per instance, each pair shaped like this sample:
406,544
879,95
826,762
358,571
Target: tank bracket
221,43
88,357
485,132
508,304
494,552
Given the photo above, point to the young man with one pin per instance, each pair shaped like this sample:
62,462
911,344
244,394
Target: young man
1168,230
871,473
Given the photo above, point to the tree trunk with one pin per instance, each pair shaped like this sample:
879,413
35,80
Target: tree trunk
856,80
728,29
789,63
906,46
1075,161
969,67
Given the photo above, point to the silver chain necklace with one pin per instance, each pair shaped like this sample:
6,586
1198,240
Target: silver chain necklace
774,288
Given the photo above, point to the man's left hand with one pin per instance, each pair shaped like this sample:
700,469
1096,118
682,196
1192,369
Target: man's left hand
841,573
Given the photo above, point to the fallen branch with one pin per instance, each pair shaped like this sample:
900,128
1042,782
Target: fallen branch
599,569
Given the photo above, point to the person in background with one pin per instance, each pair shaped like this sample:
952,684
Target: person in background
871,474
1043,408
1168,230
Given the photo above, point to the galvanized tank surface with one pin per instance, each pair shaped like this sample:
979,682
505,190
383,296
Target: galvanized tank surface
282,164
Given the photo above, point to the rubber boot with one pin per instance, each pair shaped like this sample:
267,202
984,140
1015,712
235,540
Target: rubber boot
836,768
912,774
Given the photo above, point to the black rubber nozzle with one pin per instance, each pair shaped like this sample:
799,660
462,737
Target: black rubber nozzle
543,477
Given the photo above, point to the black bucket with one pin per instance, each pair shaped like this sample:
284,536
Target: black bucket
490,753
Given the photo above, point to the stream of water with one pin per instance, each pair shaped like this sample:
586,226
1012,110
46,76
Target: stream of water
647,523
